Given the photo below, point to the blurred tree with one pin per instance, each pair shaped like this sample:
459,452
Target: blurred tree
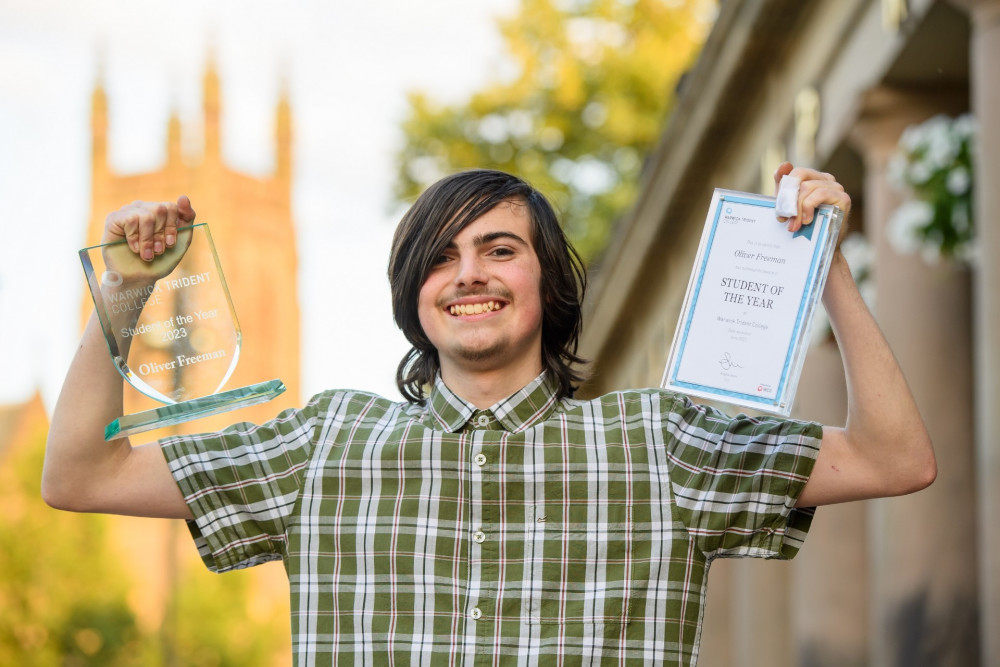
219,623
65,597
590,85
62,599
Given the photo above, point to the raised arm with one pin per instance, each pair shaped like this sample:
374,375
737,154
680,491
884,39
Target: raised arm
82,472
884,448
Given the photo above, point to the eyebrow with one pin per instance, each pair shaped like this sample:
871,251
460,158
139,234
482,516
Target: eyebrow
483,239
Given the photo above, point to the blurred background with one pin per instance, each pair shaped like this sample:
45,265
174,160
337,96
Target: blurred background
302,131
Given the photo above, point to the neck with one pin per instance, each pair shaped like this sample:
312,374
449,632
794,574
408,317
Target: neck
485,387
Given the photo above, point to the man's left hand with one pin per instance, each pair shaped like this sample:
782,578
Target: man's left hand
817,188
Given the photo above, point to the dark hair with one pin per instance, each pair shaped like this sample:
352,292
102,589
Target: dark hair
438,215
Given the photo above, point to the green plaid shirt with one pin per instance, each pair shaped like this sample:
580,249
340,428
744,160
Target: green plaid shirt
441,534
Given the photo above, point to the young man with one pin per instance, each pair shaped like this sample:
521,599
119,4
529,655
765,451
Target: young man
492,517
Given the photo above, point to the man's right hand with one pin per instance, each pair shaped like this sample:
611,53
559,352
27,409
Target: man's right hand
153,247
148,227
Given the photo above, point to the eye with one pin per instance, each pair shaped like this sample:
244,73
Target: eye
502,251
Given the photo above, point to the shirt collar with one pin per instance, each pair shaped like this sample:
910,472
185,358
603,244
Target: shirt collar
519,411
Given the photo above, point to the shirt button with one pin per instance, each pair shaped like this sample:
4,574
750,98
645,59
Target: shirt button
480,460
483,420
476,614
479,536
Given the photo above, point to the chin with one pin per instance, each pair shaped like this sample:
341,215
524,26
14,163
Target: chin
484,353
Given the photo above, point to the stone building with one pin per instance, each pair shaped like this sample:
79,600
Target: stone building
833,84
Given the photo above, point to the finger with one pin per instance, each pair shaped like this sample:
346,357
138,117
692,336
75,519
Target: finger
812,181
806,174
810,201
832,195
184,210
174,220
163,214
170,230
130,230
149,219
819,193
183,215
115,226
167,232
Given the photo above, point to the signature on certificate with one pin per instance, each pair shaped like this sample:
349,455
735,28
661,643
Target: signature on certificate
727,363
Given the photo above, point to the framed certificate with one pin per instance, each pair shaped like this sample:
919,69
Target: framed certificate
743,330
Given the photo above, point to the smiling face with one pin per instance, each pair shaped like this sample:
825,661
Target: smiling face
480,305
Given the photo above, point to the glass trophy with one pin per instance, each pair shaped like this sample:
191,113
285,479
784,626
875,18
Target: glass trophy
171,330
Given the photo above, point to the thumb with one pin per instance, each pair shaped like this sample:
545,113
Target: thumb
783,170
184,209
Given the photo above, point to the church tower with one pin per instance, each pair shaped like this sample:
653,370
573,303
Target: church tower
251,223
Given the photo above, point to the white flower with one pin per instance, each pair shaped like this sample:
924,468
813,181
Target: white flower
960,218
934,160
941,148
896,171
964,127
958,181
905,222
912,138
920,172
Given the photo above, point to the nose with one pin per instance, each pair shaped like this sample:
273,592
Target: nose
470,271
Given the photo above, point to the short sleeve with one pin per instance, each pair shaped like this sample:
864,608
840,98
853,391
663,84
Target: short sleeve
735,480
242,484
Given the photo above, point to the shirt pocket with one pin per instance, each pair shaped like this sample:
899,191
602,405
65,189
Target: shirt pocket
578,564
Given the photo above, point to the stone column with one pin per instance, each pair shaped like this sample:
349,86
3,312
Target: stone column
922,571
760,614
984,16
717,631
829,590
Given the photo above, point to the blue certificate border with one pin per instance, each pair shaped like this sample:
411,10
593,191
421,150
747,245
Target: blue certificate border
820,230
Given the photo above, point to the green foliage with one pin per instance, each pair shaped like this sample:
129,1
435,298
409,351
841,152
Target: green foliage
65,595
101,633
61,600
592,83
934,165
216,626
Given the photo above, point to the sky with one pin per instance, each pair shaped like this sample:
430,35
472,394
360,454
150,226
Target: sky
347,67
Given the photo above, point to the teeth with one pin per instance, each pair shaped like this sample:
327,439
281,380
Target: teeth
475,309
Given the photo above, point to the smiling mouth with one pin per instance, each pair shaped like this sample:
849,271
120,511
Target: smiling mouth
464,309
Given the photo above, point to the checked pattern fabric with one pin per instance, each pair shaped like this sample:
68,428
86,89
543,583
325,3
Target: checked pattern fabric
565,531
